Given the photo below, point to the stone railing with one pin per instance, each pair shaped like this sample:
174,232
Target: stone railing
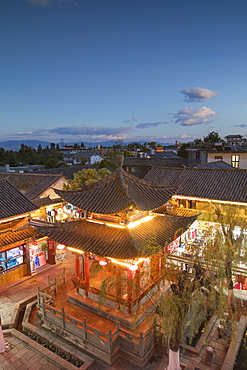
104,345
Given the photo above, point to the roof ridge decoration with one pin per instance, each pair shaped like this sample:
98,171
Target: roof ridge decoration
119,162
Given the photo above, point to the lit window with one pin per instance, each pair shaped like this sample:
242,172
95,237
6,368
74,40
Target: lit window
182,203
235,161
192,204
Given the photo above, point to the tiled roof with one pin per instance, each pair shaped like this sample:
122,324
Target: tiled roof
32,185
42,202
68,171
167,154
13,202
45,182
15,236
117,192
122,243
216,164
207,183
13,225
148,162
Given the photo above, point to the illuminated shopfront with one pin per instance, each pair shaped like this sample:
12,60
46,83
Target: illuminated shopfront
37,255
12,258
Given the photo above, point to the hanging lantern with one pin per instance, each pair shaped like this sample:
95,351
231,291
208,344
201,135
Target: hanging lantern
133,267
102,263
60,246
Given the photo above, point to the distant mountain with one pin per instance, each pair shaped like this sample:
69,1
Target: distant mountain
16,144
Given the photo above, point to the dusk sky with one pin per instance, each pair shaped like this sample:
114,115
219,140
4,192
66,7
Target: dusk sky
137,70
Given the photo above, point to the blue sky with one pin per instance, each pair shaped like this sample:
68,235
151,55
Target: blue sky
96,70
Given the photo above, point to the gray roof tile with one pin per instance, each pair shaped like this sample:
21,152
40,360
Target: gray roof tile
13,202
107,241
117,192
207,183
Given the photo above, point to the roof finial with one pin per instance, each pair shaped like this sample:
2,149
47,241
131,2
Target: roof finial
119,160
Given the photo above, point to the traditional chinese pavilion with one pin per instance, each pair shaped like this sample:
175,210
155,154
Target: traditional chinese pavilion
120,240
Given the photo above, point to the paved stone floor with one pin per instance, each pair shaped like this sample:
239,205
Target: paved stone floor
20,356
25,287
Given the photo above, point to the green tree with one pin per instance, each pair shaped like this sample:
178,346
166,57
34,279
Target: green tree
3,157
108,162
86,177
213,137
182,312
152,145
61,164
133,146
226,244
11,158
182,152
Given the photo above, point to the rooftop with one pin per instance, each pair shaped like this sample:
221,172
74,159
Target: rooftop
32,185
13,202
103,239
208,183
118,192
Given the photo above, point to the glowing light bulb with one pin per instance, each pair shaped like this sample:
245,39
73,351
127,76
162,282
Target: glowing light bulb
102,263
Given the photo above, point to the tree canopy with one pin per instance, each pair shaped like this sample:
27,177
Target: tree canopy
49,157
86,177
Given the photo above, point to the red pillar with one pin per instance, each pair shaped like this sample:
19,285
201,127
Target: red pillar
77,266
118,286
51,252
130,288
86,273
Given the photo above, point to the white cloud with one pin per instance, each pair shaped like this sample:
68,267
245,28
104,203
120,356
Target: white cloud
183,137
108,137
191,117
198,94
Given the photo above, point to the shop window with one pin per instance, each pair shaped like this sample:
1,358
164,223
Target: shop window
12,258
182,203
192,204
235,161
37,255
